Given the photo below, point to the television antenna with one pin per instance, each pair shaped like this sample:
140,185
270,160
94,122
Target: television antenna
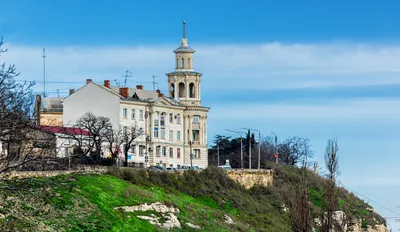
154,83
127,74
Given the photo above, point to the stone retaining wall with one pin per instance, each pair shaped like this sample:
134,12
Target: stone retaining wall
30,174
250,177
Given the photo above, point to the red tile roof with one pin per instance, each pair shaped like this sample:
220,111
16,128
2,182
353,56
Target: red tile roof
64,130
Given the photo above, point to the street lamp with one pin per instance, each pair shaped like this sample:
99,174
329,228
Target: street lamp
276,147
259,147
191,154
241,146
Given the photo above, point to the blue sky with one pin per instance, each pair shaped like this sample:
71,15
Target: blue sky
308,68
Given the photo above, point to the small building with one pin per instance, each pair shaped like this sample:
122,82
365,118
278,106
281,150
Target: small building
49,111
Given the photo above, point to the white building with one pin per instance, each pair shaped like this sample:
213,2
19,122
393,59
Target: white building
175,126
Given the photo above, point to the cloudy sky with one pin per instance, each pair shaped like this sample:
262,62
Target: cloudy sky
307,68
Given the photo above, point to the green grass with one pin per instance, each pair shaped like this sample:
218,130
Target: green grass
88,202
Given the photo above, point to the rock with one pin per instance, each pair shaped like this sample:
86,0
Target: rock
228,220
2,216
167,213
193,226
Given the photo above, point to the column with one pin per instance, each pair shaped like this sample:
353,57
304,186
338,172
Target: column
190,128
198,96
186,89
176,88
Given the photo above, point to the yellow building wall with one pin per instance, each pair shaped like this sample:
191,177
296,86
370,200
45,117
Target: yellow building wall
51,119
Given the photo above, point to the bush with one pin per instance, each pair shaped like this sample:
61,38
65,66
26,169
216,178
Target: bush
137,176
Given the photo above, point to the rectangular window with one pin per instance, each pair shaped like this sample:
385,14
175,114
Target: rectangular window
171,118
162,133
178,119
178,135
178,153
133,147
141,115
124,130
164,151
132,114
155,132
140,130
141,150
124,113
196,153
171,135
171,152
196,118
158,150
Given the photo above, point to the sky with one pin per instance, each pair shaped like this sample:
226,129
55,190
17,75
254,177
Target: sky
316,69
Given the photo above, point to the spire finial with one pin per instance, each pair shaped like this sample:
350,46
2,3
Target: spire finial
184,29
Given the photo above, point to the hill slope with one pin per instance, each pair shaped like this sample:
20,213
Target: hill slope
206,199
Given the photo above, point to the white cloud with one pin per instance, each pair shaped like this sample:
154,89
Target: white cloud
260,66
350,110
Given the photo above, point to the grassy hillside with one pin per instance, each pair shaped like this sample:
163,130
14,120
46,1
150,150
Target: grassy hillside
87,202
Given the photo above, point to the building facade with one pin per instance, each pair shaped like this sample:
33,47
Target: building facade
173,128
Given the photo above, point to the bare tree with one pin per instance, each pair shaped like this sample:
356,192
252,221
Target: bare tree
18,134
97,128
299,200
121,139
293,150
331,193
129,134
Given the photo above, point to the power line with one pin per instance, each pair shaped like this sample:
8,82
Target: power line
368,199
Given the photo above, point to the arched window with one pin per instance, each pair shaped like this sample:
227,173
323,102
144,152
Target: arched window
172,90
189,63
183,63
191,90
181,90
162,119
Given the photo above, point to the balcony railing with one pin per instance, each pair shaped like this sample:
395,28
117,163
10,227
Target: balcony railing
195,126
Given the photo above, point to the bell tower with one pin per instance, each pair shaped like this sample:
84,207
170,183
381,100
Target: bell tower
184,83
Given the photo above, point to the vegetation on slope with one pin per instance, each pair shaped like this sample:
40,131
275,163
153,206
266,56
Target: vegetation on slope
87,202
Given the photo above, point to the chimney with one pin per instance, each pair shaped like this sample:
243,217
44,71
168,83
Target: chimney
88,81
107,83
139,87
124,91
71,91
158,91
160,95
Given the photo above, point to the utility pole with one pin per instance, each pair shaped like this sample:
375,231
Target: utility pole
44,55
146,157
276,148
58,93
241,146
154,83
259,147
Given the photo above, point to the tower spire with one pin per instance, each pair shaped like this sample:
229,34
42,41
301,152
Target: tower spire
184,29
184,39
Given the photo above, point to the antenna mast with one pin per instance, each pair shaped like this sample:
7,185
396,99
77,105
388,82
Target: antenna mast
154,83
127,74
44,55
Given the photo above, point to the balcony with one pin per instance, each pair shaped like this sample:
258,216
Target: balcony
195,126
195,142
